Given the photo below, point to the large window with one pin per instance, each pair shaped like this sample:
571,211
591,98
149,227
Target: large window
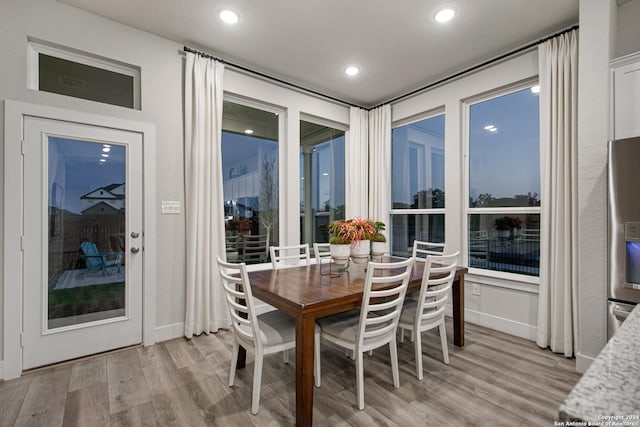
250,179
417,184
504,183
321,180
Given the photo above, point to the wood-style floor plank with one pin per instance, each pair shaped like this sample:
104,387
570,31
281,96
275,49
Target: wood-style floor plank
496,379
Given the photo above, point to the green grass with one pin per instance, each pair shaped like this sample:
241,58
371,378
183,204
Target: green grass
85,299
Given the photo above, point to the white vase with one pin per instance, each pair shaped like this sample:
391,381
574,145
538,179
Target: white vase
377,248
360,251
340,253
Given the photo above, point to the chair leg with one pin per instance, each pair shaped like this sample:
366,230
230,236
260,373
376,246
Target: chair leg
234,361
316,359
418,354
401,330
360,380
285,356
393,353
413,335
257,381
443,340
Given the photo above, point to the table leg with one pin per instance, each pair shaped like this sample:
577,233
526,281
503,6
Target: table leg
458,310
242,358
305,330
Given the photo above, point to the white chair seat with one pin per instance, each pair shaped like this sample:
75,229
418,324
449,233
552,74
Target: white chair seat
342,326
276,328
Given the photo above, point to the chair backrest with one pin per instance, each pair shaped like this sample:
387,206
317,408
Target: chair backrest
283,256
92,255
255,247
383,295
237,289
530,234
322,251
439,272
422,249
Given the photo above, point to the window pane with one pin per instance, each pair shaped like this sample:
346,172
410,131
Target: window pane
417,165
321,180
407,228
504,158
70,78
509,243
250,180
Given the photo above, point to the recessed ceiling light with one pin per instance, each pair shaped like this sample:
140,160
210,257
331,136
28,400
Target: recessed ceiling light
535,89
104,155
229,16
106,149
445,14
248,131
325,174
103,160
351,70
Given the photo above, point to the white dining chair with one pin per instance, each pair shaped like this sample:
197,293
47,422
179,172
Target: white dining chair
322,251
268,333
376,323
284,256
427,310
421,249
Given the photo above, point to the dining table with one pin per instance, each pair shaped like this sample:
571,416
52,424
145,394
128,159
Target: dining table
313,291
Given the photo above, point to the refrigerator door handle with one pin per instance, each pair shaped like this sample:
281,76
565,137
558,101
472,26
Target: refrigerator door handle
620,313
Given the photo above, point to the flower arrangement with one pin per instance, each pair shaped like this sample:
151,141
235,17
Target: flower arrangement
353,230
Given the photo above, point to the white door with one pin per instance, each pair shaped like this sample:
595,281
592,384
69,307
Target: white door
82,247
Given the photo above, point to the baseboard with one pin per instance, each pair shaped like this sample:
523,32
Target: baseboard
583,362
501,324
169,332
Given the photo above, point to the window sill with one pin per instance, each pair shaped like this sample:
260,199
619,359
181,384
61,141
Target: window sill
497,279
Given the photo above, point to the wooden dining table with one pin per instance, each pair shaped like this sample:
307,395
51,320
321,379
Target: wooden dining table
307,293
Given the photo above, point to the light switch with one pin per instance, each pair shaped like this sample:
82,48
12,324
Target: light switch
169,207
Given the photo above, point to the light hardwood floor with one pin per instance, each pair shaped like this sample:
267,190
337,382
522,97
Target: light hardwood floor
495,380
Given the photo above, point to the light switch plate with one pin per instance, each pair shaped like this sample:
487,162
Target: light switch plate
169,207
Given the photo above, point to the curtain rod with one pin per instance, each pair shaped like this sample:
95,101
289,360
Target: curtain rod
268,77
396,99
476,67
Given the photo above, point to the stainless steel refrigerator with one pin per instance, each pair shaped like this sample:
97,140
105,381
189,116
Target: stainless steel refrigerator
624,230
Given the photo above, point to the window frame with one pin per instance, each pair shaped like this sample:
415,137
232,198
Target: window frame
283,171
467,210
310,118
35,47
414,211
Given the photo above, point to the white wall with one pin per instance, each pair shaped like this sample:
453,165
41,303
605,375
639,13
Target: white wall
627,34
161,92
502,304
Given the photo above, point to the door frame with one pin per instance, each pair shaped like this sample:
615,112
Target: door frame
14,113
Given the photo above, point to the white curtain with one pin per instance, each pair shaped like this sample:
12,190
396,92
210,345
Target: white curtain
380,163
357,164
205,305
558,297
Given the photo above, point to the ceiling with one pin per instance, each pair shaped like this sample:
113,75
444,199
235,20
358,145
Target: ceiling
397,44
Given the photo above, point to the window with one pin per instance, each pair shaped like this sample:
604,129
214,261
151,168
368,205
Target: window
417,184
80,75
321,180
250,181
504,183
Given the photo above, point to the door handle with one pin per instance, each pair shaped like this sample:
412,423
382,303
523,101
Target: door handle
135,249
135,234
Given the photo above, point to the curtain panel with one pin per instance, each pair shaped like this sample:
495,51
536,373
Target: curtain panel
380,163
357,164
206,309
558,293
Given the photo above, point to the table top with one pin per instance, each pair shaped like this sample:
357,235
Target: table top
310,290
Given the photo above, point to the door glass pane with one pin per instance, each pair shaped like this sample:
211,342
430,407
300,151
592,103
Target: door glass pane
86,231
250,181
321,180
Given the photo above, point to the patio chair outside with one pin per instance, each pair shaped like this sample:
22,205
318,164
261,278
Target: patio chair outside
99,261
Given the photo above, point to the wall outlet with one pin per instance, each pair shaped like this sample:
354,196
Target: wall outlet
476,289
